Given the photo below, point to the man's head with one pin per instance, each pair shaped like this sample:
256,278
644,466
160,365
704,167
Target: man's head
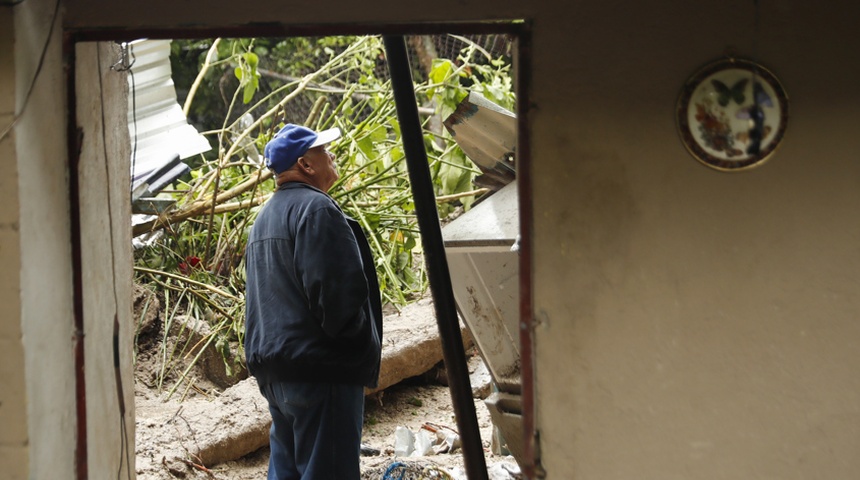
298,153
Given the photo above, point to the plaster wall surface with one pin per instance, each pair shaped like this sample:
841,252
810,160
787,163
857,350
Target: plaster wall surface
694,323
13,398
45,291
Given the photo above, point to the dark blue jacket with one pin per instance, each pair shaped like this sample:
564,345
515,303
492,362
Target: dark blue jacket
312,303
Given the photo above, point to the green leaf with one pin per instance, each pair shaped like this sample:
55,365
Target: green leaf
248,93
372,220
449,178
494,93
467,202
396,154
365,145
440,70
252,60
395,126
378,134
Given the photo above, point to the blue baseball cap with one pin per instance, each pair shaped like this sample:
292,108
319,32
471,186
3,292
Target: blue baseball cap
293,141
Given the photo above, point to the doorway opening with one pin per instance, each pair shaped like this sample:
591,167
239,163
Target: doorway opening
205,246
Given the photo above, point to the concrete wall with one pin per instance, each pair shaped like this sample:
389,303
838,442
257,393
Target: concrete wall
44,291
37,335
707,323
13,395
692,323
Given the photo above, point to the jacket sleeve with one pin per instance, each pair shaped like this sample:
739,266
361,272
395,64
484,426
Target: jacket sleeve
330,270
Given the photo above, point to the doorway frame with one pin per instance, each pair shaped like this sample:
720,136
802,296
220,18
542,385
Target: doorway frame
520,29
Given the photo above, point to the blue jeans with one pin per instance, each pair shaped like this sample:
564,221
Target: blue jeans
316,430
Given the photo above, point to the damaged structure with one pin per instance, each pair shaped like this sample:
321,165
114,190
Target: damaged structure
674,321
482,250
159,133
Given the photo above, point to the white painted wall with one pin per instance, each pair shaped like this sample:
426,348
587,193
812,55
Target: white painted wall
45,282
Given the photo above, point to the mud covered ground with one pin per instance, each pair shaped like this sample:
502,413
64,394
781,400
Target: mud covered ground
172,428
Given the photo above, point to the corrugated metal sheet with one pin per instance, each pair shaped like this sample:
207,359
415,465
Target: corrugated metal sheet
157,126
487,133
482,250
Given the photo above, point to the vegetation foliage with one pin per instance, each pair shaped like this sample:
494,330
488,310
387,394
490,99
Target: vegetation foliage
239,92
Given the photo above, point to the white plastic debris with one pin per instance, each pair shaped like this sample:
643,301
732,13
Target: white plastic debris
431,439
423,443
404,441
516,246
452,440
504,471
499,471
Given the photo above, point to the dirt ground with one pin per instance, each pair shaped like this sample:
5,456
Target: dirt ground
171,427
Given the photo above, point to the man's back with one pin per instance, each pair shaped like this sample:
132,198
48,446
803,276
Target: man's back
308,316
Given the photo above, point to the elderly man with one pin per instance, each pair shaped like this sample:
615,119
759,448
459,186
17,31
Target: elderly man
313,330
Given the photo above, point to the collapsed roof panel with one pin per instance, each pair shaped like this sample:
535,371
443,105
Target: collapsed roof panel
158,128
487,133
482,250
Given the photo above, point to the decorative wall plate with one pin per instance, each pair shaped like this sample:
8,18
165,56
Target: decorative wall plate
732,114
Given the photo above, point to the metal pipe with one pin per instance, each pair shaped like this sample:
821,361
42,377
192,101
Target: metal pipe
434,253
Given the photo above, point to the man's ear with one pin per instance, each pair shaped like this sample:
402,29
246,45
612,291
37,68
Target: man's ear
304,165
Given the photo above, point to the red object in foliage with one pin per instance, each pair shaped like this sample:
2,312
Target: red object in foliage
189,263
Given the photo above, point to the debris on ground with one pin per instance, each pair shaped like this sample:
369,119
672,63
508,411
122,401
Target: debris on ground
424,470
431,439
205,431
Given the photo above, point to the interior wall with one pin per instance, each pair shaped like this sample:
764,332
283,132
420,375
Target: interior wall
694,323
45,290
13,398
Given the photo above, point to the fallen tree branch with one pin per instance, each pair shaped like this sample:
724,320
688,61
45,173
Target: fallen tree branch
198,467
236,206
213,52
162,222
200,208
186,280
456,196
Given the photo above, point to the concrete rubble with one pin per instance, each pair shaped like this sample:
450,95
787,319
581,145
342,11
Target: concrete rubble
410,343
